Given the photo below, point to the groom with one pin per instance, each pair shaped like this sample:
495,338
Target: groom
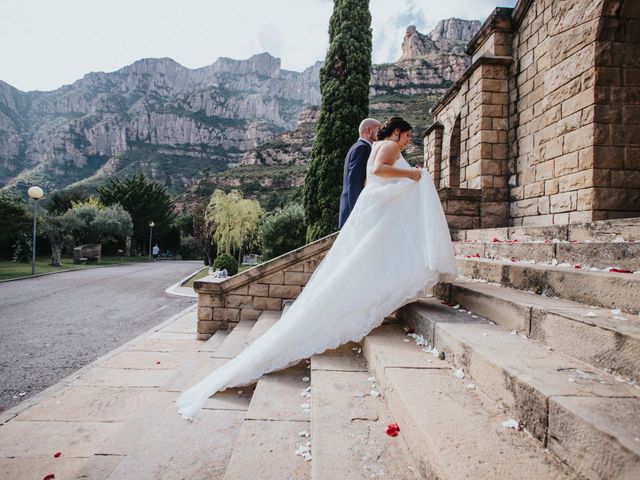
355,167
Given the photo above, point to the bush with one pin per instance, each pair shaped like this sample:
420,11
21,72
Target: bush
226,261
22,250
189,249
282,232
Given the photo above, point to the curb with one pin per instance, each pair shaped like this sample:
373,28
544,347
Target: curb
65,271
176,288
49,391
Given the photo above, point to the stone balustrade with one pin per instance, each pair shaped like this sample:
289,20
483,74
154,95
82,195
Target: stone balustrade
223,302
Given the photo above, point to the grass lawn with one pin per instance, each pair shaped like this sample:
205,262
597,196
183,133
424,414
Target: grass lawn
205,271
9,269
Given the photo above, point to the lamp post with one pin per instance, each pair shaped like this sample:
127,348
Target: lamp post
151,225
35,193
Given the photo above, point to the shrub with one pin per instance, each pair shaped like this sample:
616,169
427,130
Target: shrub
282,232
226,261
189,249
22,250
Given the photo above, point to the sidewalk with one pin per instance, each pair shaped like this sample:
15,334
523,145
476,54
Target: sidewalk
116,418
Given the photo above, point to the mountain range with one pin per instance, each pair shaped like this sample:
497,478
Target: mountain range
234,123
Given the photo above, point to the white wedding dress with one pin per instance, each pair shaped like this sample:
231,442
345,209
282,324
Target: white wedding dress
395,243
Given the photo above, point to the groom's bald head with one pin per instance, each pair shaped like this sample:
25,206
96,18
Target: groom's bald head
369,128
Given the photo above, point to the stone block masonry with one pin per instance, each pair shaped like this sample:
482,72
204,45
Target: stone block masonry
549,110
222,303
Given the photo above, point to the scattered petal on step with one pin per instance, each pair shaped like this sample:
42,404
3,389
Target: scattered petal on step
511,423
305,405
305,379
57,454
49,477
303,433
554,262
375,393
514,332
392,429
456,306
458,373
239,392
577,265
406,340
471,386
474,316
371,379
616,311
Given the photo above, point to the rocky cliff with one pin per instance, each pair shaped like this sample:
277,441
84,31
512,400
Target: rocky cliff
154,110
429,63
235,123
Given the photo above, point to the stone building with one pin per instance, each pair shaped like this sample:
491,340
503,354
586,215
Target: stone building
544,126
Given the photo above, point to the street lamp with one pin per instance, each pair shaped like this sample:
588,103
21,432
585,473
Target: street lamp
151,225
35,193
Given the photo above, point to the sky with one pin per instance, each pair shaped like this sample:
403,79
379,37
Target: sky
45,44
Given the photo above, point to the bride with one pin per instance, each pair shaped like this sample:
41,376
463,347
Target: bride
395,243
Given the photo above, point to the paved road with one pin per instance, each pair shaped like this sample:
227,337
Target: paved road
53,325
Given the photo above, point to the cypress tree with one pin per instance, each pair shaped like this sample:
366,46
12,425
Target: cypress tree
344,85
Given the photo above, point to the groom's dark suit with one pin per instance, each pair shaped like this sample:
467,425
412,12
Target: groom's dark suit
355,172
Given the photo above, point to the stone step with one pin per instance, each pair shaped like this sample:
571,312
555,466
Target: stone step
235,341
603,289
600,255
525,378
266,320
348,423
603,230
596,336
214,341
453,432
273,429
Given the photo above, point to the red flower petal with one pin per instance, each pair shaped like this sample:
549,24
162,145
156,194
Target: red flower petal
577,265
409,331
392,429
49,477
620,270
57,454
495,240
158,363
476,255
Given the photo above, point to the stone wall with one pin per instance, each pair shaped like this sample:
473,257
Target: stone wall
550,110
222,303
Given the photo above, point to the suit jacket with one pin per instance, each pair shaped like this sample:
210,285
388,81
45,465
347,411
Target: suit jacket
355,173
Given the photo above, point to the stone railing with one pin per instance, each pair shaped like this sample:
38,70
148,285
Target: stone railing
222,303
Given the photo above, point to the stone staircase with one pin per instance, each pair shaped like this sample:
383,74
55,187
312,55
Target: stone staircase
526,367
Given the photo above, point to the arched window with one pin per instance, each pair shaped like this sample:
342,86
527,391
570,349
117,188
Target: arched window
454,155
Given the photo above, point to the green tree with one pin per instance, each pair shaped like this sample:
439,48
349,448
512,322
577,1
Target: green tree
202,234
344,85
88,222
62,200
282,232
232,220
15,223
146,201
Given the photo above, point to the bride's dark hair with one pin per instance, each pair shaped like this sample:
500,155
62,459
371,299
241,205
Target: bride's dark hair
391,124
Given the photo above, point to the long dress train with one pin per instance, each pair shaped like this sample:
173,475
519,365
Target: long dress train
395,243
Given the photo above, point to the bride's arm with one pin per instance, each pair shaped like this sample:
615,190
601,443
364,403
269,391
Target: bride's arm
383,164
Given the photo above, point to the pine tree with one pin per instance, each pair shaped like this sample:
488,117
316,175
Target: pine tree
344,85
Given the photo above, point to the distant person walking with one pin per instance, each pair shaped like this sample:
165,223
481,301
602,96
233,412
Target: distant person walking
355,167
155,251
